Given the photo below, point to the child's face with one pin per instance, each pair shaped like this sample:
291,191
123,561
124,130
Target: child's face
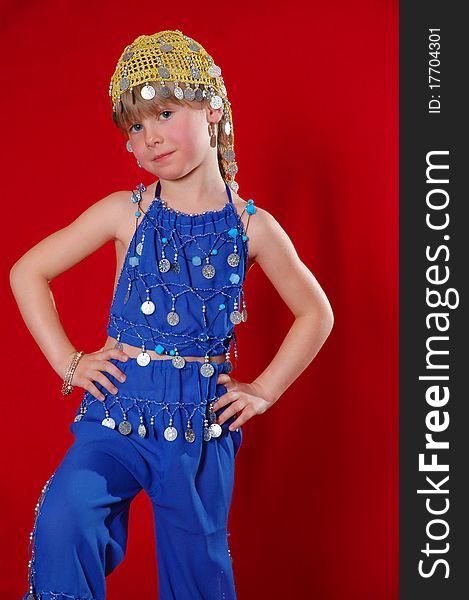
180,130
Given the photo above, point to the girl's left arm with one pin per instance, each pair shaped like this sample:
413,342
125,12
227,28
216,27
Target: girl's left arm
301,292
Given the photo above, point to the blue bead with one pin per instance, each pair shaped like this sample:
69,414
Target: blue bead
164,240
250,201
233,232
133,260
245,237
196,260
203,337
251,209
234,277
214,251
159,348
172,352
222,306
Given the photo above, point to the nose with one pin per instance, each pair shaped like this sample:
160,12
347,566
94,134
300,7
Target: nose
152,136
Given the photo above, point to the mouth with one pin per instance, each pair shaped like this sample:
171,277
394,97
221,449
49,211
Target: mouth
162,156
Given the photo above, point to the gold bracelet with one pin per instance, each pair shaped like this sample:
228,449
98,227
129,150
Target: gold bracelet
67,387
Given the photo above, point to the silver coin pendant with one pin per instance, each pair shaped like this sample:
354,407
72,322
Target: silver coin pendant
142,430
143,359
189,435
208,271
173,318
170,433
125,427
233,259
207,369
148,307
215,430
109,422
236,317
178,361
207,434
164,265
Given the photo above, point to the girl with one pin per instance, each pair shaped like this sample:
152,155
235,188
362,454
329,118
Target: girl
160,411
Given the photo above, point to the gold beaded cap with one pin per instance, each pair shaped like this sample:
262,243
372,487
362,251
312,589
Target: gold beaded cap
172,56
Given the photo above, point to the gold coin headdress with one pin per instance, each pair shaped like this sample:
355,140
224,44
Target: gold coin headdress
171,56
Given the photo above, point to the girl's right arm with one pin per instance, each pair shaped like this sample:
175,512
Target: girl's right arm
30,277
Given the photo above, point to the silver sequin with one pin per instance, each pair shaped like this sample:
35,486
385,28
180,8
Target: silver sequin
79,417
124,83
244,315
165,47
175,267
207,434
178,92
214,71
139,248
165,91
142,430
189,93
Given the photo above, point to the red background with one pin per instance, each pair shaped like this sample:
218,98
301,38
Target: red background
314,93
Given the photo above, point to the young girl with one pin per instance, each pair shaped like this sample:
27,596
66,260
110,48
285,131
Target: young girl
160,411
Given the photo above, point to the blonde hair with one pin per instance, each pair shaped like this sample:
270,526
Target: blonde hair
132,108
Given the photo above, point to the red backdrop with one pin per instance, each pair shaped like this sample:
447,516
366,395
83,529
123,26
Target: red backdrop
314,93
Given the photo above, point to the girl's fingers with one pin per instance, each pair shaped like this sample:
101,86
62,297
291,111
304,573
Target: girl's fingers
113,370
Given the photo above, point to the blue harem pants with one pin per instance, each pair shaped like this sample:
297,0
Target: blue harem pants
80,528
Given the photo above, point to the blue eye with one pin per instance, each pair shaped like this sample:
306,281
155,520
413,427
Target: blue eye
139,125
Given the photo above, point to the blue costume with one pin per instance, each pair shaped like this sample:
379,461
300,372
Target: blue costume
179,293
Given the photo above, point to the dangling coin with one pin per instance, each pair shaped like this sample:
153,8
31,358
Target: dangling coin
215,430
139,248
195,73
229,154
124,83
165,91
189,435
79,417
125,427
199,94
109,422
178,361
127,296
142,430
163,72
170,433
207,369
164,265
207,434
175,267
233,259
128,55
172,318
165,47
147,92
227,128
235,317
194,47
208,271
244,315
148,307
119,345
228,366
189,93
178,92
143,359
216,102
214,71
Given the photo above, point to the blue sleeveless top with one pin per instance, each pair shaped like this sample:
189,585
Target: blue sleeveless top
180,290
